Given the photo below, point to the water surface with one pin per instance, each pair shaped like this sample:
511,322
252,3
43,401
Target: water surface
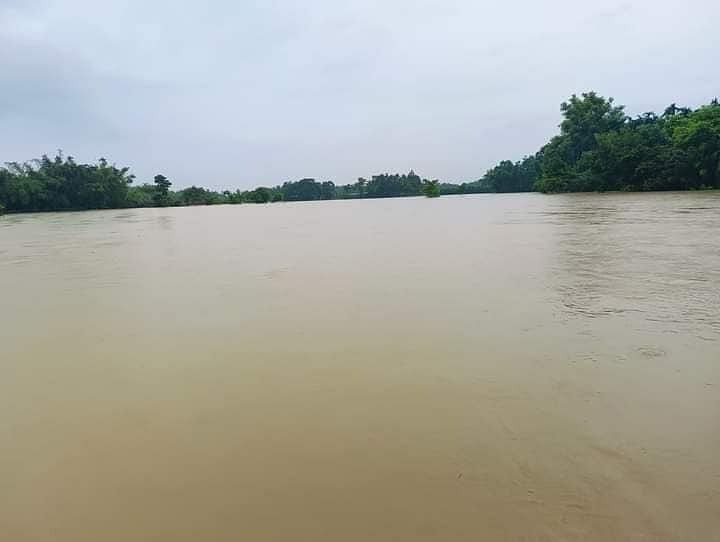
506,367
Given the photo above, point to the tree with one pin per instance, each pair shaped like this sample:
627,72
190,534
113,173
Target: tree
698,135
302,190
327,190
141,196
259,195
678,150
673,110
431,189
584,118
361,183
389,186
162,190
513,177
60,184
196,195
637,157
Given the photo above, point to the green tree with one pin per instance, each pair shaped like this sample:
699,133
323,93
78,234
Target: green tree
583,118
389,186
302,190
361,183
259,195
140,196
678,150
431,189
513,177
59,184
636,157
162,190
196,195
698,135
327,190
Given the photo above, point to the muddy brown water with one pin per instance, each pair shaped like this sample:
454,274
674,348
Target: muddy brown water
491,367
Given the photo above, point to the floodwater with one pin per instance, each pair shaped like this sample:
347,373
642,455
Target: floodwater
490,367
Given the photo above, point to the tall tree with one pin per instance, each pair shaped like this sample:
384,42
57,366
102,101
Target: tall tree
162,190
584,117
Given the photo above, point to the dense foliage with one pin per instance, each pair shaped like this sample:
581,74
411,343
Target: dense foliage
598,148
510,176
61,184
431,189
307,190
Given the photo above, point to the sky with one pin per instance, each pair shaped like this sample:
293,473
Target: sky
236,94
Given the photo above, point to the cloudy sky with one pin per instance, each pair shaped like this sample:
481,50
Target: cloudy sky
231,93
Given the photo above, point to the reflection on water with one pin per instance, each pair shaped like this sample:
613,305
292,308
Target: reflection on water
657,262
506,367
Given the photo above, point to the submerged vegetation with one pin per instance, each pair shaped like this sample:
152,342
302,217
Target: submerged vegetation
431,189
599,148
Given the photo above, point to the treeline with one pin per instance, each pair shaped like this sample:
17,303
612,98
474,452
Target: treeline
599,148
62,184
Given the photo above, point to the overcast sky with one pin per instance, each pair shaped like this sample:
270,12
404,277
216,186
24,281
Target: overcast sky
233,94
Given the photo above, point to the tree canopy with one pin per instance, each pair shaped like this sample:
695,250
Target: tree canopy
431,189
60,184
599,148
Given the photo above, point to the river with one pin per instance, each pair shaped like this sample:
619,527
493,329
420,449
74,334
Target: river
487,367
